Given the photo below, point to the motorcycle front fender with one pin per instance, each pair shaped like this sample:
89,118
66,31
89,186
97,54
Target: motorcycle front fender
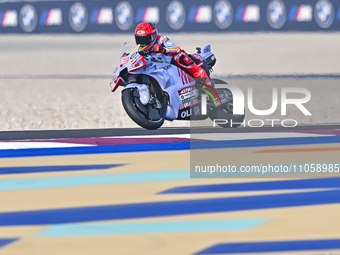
143,91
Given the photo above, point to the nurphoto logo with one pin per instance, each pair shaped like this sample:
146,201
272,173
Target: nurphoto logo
239,105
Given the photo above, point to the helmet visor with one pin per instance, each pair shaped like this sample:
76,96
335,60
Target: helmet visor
145,40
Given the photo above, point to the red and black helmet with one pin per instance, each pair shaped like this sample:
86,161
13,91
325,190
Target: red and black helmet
146,34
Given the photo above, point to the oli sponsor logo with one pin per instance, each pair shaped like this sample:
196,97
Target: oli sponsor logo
186,113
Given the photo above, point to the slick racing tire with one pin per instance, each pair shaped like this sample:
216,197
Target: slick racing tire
225,114
140,113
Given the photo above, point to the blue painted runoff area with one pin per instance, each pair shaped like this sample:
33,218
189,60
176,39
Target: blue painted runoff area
45,169
6,241
259,186
125,148
279,246
150,227
71,181
167,208
122,148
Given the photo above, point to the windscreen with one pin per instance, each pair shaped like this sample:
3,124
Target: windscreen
127,47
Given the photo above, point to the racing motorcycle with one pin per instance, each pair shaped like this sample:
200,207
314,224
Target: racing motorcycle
156,90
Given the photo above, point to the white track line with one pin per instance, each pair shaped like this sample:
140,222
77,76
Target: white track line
34,145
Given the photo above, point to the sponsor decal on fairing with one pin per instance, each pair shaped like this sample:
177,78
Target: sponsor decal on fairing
197,111
186,79
188,94
124,60
186,90
189,104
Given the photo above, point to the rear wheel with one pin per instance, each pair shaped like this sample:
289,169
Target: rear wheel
149,116
225,113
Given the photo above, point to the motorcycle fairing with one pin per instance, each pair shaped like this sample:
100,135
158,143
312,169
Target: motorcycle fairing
170,78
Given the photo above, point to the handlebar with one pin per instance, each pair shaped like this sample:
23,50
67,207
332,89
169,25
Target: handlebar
146,52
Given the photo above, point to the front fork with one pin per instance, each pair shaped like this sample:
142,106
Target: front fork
143,90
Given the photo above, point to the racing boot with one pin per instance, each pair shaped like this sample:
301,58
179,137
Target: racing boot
201,77
204,84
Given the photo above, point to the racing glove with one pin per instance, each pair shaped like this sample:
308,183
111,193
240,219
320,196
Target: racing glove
157,48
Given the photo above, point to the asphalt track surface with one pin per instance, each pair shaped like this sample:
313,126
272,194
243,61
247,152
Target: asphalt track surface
58,134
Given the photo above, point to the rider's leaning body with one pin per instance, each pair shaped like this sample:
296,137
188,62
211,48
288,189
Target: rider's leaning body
146,35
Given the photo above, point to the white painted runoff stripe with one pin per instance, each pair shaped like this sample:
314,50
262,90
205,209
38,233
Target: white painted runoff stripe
35,145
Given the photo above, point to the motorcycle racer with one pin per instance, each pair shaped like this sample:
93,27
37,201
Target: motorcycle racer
156,89
147,36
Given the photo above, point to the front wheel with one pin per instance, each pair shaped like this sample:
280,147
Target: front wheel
149,116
